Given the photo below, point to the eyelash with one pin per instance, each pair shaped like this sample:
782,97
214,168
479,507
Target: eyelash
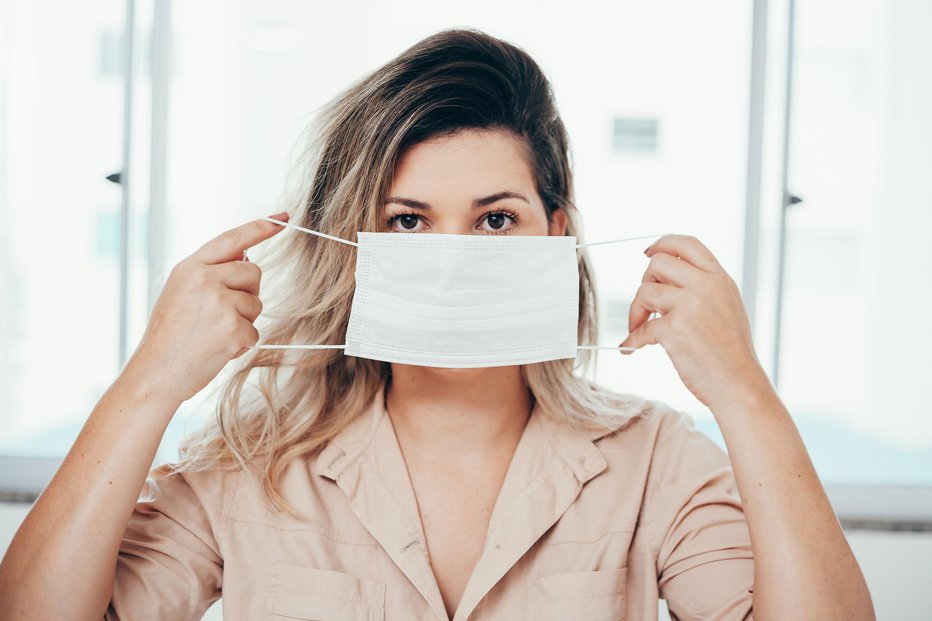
390,222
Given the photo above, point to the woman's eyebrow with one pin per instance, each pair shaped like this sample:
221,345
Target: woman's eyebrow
479,202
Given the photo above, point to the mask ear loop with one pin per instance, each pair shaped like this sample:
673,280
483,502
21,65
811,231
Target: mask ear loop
613,241
319,234
599,243
312,232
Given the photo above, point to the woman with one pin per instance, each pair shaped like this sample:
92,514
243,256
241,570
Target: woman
340,487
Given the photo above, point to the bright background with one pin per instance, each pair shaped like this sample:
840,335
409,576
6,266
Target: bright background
655,97
656,100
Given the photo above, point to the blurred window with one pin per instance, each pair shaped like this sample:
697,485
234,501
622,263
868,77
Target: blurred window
655,99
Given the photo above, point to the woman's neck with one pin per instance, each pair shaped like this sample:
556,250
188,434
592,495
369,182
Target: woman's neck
458,412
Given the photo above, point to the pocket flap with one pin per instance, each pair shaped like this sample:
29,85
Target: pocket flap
583,584
590,595
325,595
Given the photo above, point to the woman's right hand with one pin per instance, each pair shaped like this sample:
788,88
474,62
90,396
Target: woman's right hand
63,561
204,316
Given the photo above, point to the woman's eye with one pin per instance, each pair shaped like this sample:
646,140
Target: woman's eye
406,222
497,221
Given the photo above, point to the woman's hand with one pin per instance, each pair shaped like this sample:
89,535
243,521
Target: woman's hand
204,315
803,565
703,325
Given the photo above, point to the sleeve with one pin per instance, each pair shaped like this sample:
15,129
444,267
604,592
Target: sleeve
169,565
705,566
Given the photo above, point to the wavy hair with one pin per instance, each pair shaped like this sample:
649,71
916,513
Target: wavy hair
452,81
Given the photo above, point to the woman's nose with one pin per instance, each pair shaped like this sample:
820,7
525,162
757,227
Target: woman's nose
453,227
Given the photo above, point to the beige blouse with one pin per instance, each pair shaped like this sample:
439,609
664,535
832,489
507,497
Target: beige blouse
586,527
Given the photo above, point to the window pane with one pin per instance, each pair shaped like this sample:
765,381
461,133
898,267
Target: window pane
858,293
61,93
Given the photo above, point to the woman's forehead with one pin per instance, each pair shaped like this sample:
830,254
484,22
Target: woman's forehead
473,161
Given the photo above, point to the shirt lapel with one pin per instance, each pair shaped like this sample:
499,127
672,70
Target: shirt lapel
365,460
551,464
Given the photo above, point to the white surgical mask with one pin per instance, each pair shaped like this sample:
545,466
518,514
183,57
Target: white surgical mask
461,301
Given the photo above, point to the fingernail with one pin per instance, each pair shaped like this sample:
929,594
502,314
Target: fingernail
280,216
646,250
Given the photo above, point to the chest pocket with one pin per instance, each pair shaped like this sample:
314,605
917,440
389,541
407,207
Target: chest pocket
589,595
322,595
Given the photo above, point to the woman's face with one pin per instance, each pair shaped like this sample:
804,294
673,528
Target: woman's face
477,182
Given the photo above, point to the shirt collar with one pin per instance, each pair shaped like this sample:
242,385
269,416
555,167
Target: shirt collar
575,446
552,462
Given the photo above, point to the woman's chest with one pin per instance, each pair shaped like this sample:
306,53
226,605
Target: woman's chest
360,553
454,508
273,575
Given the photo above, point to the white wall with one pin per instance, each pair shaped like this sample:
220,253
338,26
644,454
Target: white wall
898,567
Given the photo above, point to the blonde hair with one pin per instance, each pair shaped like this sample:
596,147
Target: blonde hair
452,81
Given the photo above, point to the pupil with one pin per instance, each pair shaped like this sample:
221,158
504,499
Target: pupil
496,220
408,221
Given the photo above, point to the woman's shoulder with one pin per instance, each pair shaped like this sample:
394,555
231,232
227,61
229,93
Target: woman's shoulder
230,493
204,489
654,432
636,415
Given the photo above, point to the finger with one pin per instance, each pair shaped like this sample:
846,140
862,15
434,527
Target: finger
687,247
666,268
229,245
651,297
651,333
247,305
248,336
239,275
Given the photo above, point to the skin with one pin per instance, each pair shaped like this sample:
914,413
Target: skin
457,428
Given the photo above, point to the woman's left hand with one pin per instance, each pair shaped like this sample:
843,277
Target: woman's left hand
703,325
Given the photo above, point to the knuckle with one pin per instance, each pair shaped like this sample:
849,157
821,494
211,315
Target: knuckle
659,263
185,269
676,323
651,290
255,272
214,298
722,279
247,271
229,323
179,269
233,237
199,276
708,279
